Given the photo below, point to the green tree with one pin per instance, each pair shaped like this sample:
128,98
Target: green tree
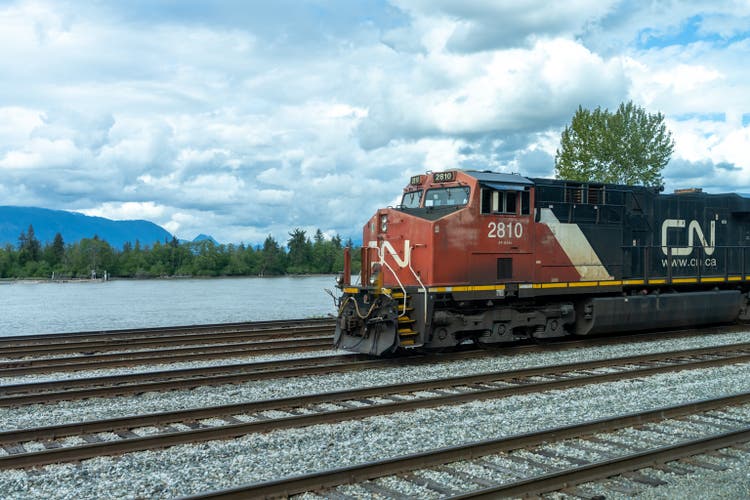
300,252
57,250
629,146
29,247
91,257
53,256
8,261
272,258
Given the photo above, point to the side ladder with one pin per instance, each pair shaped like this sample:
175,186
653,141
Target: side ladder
407,335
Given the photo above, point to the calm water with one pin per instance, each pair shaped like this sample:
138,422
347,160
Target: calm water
31,308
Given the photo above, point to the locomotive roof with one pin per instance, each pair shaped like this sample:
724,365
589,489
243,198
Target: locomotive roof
498,177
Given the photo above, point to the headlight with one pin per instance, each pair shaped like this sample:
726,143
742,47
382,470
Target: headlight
383,223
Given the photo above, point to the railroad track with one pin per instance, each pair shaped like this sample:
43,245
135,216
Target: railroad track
631,447
44,445
23,367
199,335
68,389
267,338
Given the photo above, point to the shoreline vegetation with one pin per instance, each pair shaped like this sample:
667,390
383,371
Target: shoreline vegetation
93,259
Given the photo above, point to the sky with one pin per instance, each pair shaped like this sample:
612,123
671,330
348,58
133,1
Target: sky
243,119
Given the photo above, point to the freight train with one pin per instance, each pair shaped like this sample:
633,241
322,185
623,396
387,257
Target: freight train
493,258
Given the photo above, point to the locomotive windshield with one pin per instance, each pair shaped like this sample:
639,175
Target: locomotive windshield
411,199
448,196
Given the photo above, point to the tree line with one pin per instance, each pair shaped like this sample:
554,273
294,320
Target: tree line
93,257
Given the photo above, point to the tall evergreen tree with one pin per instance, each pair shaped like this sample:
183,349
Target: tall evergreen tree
55,253
272,258
300,252
29,246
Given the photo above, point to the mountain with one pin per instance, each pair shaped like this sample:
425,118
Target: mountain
75,226
205,237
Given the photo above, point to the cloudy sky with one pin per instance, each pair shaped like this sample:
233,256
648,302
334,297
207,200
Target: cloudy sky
241,119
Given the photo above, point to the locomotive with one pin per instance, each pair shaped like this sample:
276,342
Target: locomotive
494,258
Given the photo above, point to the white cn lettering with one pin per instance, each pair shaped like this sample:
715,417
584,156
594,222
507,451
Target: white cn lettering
386,246
694,229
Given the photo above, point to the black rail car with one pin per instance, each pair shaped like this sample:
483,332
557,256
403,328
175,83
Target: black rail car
685,255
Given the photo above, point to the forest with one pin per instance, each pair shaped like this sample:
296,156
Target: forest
95,258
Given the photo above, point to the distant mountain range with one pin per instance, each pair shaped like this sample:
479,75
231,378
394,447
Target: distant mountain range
75,226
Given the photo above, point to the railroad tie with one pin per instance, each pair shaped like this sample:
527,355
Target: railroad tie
640,477
582,446
381,490
622,485
127,434
429,484
581,492
334,494
558,456
530,461
614,444
465,476
703,464
712,423
674,467
14,449
490,465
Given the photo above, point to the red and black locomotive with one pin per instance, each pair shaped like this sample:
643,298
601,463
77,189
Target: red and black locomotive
492,258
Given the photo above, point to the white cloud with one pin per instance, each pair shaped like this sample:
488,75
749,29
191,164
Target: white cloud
243,122
17,124
127,211
42,154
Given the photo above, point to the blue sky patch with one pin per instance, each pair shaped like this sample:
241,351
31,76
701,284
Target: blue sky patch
689,32
706,117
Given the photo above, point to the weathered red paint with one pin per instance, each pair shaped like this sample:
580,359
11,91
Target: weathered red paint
462,247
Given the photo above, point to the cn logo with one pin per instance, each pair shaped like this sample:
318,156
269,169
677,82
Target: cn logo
694,230
387,249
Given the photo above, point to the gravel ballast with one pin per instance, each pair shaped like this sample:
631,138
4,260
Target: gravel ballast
187,469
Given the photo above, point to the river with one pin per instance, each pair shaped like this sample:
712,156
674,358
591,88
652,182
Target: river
33,308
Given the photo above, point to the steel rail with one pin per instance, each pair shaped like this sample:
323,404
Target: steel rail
186,378
131,358
98,345
167,331
233,430
372,470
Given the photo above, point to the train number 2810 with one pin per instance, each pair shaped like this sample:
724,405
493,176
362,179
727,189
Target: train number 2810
504,230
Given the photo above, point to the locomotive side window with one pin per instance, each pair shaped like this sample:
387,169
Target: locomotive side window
411,199
488,196
445,197
504,202
510,198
